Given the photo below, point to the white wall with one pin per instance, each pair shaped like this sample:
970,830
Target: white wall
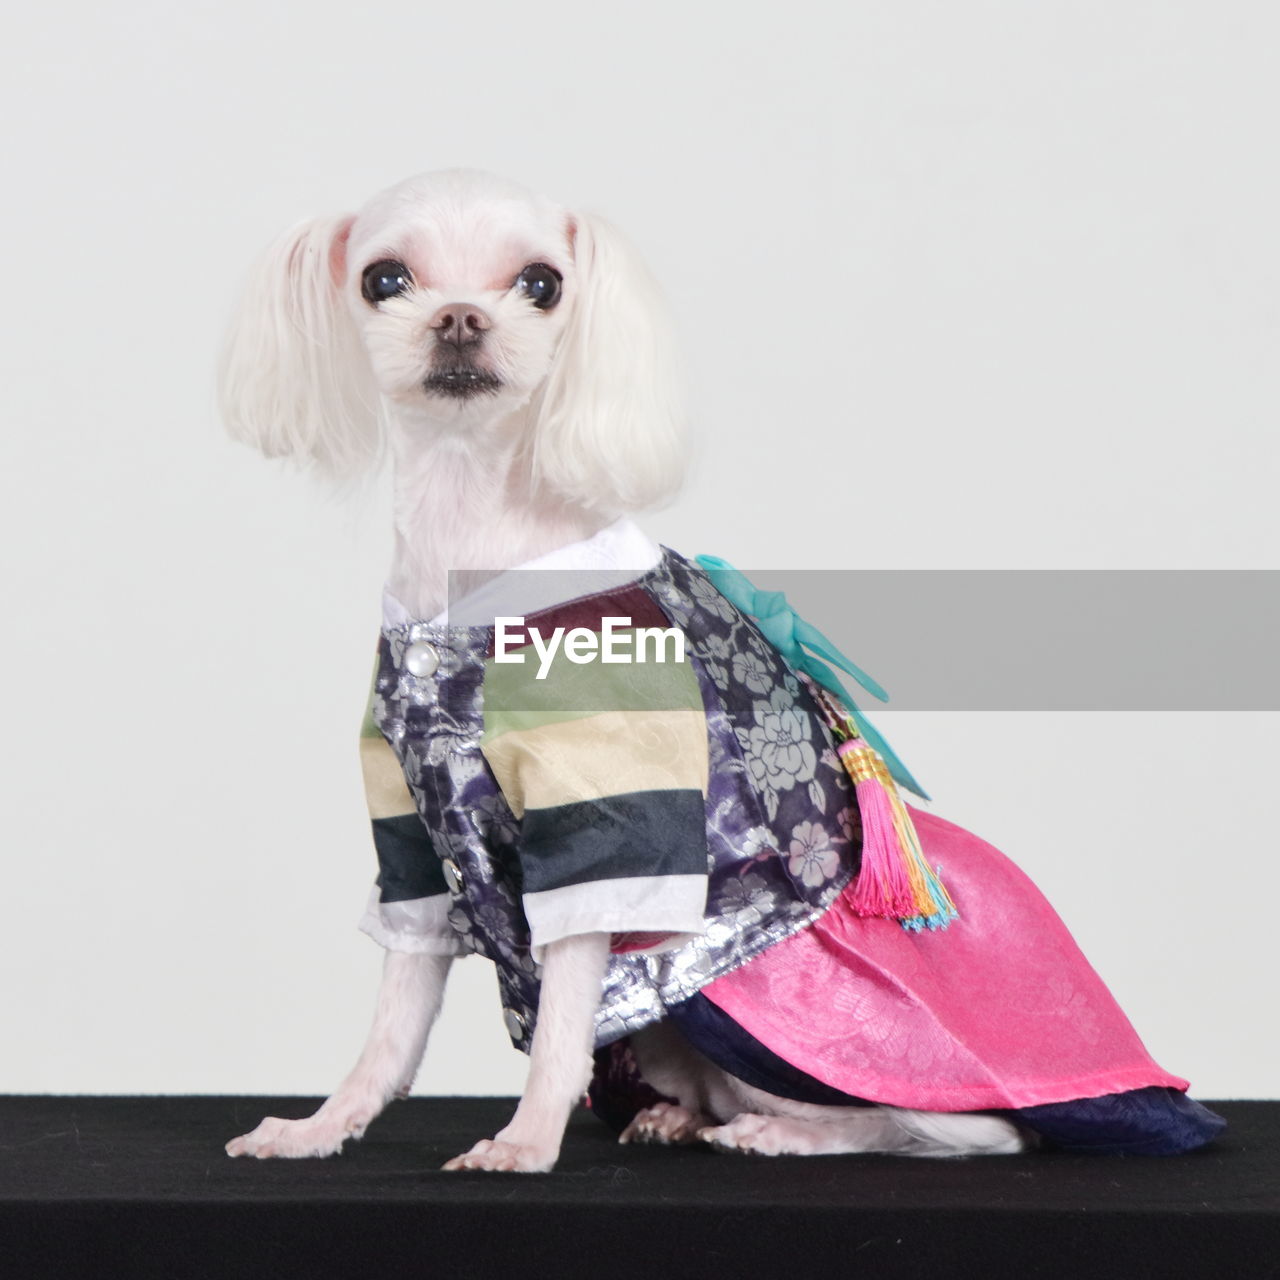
1001,275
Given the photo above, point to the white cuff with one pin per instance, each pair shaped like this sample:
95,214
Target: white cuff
635,904
418,925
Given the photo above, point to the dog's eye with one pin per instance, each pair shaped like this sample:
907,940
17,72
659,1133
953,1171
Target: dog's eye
541,284
385,279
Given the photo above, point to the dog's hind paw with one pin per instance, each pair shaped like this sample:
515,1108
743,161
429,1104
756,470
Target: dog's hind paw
664,1122
759,1135
295,1139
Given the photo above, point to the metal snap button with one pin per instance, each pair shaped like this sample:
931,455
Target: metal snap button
515,1024
421,659
452,876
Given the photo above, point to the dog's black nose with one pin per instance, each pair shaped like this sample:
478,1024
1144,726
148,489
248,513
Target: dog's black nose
460,324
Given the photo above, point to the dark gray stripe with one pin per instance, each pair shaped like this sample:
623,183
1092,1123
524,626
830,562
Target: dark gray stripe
407,864
639,833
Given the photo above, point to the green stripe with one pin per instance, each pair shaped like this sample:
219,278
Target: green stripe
515,699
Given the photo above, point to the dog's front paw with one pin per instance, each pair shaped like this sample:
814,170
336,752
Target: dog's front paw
664,1122
296,1139
508,1157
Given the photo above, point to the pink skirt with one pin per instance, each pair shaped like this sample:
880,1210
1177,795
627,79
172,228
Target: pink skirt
999,1010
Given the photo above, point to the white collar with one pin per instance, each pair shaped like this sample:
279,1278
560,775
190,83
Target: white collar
615,556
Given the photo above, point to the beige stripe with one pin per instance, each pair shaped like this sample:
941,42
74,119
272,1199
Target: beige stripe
384,786
602,755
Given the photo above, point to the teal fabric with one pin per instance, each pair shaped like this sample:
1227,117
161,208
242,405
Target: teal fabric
806,650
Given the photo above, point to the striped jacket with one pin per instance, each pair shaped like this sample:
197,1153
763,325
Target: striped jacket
662,776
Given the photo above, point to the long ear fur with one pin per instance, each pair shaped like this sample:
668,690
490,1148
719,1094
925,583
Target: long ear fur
610,428
295,381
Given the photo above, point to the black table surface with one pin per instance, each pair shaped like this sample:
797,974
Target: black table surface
140,1186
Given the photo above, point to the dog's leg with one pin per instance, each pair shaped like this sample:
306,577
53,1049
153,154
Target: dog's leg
559,1060
408,1001
840,1130
744,1118
669,1064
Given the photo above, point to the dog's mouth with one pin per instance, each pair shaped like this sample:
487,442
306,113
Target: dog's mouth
462,382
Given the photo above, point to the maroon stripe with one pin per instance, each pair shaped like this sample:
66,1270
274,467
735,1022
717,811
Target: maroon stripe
632,602
621,943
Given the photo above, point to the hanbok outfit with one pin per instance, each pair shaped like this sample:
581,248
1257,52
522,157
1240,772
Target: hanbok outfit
697,808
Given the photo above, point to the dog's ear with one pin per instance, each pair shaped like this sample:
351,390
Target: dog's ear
610,425
295,381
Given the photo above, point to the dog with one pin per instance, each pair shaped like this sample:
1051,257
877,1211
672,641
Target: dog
515,360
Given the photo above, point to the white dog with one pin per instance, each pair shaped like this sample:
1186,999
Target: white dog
514,357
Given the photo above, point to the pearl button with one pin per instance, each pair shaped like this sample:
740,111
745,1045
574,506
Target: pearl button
452,876
421,658
515,1024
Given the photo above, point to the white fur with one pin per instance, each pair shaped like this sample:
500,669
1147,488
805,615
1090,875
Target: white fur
559,1060
585,425
408,1001
588,424
295,381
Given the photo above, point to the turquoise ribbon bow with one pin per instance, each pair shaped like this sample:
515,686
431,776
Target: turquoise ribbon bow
806,649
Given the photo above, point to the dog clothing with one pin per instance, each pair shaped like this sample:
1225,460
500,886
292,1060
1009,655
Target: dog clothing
668,778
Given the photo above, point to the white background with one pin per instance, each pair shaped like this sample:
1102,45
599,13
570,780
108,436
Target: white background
980,285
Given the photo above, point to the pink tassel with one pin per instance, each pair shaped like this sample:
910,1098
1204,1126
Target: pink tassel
895,881
883,888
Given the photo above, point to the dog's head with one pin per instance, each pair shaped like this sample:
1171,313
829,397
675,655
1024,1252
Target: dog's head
457,303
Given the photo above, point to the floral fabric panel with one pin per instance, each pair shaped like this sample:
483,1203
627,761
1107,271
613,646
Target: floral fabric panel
408,907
